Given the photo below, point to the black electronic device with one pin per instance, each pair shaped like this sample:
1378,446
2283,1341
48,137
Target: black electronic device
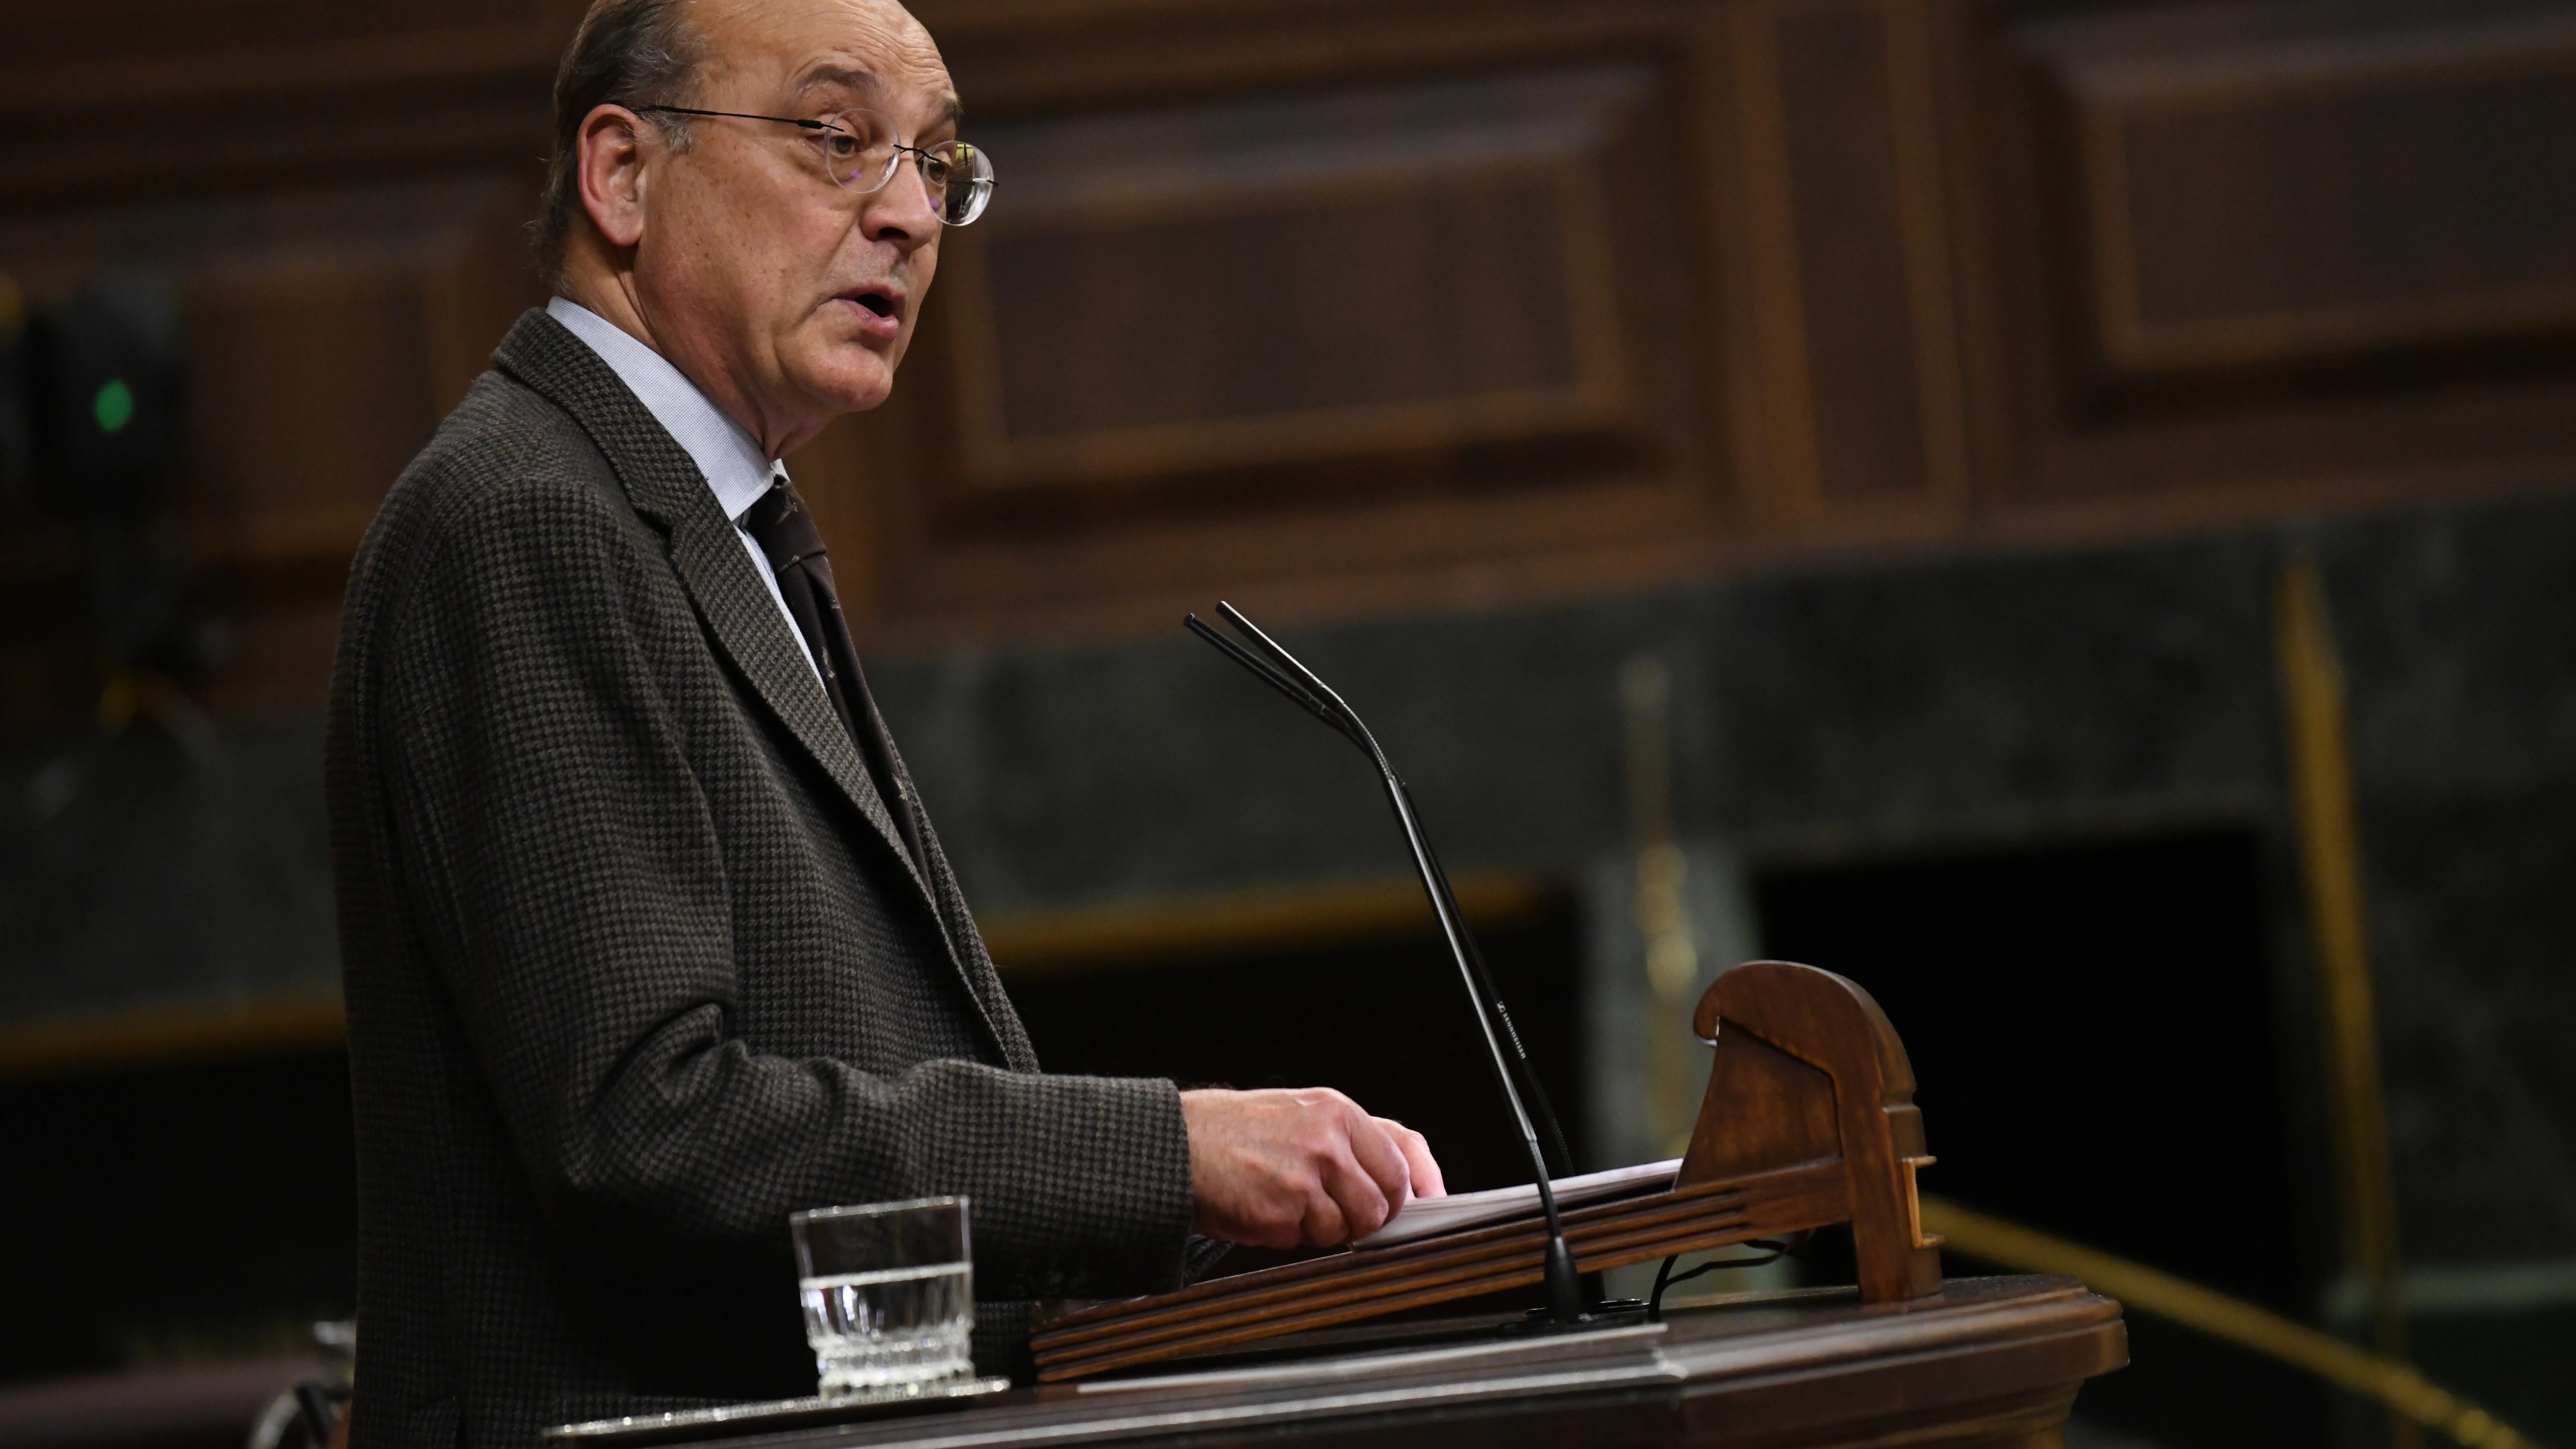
108,377
91,392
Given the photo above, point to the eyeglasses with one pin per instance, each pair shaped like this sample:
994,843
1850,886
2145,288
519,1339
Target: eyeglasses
859,149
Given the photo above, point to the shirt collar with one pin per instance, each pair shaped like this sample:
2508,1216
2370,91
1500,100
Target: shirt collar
725,454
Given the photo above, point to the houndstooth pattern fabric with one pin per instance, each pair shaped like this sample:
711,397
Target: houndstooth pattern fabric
636,964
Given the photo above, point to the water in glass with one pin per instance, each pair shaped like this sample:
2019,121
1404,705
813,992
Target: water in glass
890,1331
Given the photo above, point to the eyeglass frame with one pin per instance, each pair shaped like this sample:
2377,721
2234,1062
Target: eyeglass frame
894,157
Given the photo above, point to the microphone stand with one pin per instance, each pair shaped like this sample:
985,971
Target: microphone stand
1511,1034
1280,670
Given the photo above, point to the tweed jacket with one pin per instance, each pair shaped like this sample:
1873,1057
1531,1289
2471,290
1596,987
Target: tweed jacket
636,963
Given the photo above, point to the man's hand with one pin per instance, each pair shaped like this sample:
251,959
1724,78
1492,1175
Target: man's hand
1274,1169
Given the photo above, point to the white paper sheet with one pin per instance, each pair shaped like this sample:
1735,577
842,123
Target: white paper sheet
1425,1216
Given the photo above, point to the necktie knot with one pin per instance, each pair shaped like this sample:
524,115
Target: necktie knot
780,523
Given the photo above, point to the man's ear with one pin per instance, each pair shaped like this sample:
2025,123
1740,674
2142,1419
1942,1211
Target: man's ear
612,173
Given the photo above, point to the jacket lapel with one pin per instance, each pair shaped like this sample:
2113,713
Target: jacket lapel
666,488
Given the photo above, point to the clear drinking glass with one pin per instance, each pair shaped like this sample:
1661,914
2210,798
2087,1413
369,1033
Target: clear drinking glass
889,1292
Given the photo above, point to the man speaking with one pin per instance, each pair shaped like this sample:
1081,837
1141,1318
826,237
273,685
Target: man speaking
648,939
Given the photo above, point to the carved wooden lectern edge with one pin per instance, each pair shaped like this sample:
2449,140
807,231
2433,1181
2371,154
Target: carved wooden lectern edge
1808,1120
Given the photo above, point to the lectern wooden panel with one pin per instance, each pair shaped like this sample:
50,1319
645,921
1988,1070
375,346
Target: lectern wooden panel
1981,1363
1809,1120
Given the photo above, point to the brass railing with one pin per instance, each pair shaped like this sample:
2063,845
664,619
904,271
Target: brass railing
2142,1289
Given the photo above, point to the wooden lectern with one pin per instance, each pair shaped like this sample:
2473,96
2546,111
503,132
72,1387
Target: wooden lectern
1809,1120
1981,1363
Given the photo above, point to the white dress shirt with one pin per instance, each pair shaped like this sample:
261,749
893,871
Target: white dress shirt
726,456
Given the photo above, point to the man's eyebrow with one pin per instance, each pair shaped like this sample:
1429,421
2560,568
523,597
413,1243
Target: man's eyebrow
859,80
836,75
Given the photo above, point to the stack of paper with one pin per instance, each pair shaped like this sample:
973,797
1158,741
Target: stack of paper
1426,1216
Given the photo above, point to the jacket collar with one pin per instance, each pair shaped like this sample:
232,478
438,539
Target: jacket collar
669,492
734,464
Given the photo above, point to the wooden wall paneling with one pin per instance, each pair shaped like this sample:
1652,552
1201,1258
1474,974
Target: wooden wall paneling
2258,193
132,99
1518,369
2233,261
2279,197
1981,216
1432,552
336,190
1731,319
1853,264
1838,129
1782,275
1394,273
1786,492
309,389
327,331
474,285
1931,269
1013,58
80,43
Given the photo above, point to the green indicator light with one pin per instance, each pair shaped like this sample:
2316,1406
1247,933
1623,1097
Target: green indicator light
114,406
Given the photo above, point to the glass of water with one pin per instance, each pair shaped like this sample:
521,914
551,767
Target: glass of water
889,1292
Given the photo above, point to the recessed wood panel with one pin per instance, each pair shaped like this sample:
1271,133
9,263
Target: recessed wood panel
131,100
2280,187
1839,128
1320,278
311,391
326,331
68,32
1383,299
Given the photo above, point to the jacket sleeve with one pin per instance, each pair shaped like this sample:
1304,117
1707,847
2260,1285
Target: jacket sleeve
563,868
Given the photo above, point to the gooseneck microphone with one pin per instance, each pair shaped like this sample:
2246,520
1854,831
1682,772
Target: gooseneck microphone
1280,670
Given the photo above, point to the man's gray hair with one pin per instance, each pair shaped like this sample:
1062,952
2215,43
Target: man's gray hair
630,53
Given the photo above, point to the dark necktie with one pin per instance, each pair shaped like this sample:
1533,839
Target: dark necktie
787,536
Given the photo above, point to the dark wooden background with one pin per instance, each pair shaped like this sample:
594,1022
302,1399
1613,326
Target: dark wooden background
1377,307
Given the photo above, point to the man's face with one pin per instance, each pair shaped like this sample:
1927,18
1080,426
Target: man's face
759,275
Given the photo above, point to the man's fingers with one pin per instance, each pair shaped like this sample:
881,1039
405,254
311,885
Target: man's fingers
1417,1157
1381,1155
1327,1222
1357,1184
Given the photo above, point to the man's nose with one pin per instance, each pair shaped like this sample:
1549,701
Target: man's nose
901,211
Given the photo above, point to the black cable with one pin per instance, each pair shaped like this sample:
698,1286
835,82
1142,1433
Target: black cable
1666,1278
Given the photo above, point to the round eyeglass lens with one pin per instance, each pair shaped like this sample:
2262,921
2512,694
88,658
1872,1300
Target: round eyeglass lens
860,150
959,177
